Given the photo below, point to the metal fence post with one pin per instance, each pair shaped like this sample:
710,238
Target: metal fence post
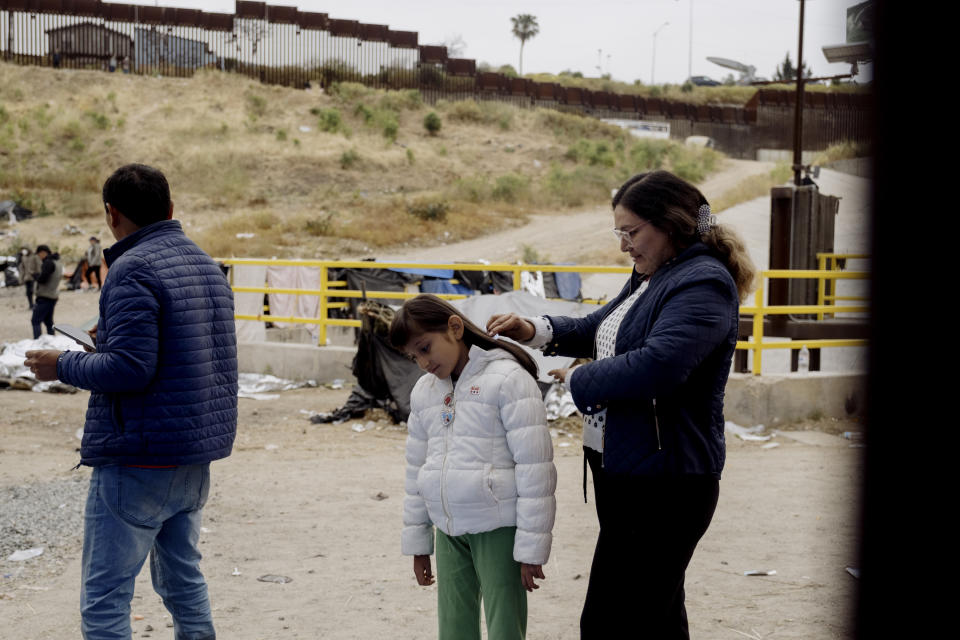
758,329
322,333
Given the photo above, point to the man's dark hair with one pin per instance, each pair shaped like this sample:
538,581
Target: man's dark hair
42,247
139,192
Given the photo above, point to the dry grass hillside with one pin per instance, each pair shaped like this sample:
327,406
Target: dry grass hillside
308,173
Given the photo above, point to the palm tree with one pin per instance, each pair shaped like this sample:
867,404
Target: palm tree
524,27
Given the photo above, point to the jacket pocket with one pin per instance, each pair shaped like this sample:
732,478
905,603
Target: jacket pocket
117,411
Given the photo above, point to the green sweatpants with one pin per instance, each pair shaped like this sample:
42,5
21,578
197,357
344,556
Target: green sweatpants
478,565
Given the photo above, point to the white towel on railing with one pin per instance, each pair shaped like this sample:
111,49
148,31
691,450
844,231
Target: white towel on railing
249,304
285,305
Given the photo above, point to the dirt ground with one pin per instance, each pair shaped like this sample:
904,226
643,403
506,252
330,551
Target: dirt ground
301,500
306,501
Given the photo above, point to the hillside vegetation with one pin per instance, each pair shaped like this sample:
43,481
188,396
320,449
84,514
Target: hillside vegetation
307,173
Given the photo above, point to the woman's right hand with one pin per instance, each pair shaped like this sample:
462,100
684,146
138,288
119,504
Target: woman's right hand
422,570
512,326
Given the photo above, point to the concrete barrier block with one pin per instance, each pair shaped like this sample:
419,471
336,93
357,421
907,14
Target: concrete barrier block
772,399
297,361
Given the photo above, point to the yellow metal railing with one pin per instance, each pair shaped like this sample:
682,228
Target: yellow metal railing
759,310
331,289
334,289
826,288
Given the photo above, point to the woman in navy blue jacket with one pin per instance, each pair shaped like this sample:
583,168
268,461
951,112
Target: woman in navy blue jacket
652,400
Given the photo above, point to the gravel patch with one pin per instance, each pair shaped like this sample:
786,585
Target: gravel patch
47,515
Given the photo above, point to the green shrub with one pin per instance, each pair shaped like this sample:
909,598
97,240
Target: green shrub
432,123
568,126
99,120
647,155
320,226
349,158
349,91
408,99
429,209
510,187
364,112
465,111
591,152
389,126
410,157
256,105
4,116
329,120
281,135
471,189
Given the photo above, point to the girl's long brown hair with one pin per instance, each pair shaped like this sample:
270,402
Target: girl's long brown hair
429,314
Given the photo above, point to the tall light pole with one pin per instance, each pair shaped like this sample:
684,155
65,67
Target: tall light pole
690,45
653,62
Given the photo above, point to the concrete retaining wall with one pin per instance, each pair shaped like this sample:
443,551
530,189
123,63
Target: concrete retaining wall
750,400
772,399
296,361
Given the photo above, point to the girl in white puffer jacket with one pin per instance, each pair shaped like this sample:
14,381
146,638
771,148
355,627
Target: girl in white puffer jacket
479,468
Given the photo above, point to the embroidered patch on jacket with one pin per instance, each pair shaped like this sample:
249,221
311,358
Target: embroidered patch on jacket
474,391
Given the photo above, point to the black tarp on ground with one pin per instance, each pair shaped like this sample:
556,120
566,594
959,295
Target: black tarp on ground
385,377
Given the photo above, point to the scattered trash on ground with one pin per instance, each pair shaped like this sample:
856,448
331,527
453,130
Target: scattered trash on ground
304,128
245,236
25,554
272,447
759,572
379,496
746,433
559,402
336,384
255,386
14,375
274,578
72,230
360,428
770,445
236,572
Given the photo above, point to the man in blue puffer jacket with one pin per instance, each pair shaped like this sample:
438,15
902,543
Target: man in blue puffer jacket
163,406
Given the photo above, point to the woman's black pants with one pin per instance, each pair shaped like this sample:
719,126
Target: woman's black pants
649,527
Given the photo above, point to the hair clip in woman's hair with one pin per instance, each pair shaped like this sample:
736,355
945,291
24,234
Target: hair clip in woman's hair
705,221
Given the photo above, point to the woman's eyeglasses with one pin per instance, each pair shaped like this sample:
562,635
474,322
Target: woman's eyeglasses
627,234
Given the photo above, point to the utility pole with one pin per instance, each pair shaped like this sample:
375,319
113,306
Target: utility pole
798,111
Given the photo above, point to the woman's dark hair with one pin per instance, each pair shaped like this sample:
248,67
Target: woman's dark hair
427,313
671,204
139,192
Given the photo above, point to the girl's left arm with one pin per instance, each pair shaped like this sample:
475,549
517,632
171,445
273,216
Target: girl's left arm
525,421
416,538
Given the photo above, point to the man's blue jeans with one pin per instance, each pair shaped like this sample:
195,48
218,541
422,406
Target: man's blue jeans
130,513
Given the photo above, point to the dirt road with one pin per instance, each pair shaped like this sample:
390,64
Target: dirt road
307,502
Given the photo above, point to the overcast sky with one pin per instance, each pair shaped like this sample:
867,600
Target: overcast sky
615,34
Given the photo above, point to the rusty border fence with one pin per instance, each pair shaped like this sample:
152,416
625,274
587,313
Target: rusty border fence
285,46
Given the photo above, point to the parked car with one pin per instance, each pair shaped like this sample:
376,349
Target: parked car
704,81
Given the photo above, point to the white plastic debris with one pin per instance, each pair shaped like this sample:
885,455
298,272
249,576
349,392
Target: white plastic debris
256,386
746,433
304,128
245,236
272,447
236,572
771,445
25,554
359,428
559,402
760,572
